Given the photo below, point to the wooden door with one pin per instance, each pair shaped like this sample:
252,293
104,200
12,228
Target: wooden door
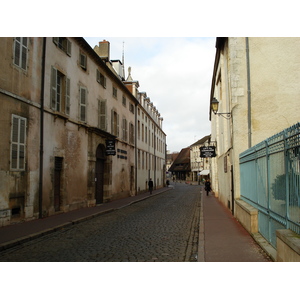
99,174
57,182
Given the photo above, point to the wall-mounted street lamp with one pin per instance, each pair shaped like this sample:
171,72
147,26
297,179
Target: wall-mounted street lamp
215,108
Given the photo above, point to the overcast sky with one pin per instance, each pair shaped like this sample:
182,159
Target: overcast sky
176,74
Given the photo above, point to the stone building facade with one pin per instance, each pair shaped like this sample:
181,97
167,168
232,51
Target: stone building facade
62,107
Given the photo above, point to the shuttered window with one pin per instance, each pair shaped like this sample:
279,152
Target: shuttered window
18,142
114,123
63,44
83,60
82,104
102,114
60,92
101,78
20,52
68,103
125,130
131,133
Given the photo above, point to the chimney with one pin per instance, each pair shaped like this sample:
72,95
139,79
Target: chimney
103,50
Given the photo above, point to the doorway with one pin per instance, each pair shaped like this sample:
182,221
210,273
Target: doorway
99,173
58,164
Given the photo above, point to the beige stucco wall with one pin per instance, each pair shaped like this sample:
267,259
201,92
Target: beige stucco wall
20,93
274,78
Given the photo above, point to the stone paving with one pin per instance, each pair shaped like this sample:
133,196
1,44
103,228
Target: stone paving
163,228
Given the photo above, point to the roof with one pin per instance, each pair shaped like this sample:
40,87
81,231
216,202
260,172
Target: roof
182,162
201,141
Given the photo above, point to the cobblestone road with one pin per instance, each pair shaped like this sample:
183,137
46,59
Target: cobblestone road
163,228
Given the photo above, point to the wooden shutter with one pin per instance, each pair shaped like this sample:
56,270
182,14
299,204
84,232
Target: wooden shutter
98,75
24,53
69,47
17,51
102,114
67,96
82,104
18,142
118,127
53,87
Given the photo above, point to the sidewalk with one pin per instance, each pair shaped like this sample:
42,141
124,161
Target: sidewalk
222,238
13,235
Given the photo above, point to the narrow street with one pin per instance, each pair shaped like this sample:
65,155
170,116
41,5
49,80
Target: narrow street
163,228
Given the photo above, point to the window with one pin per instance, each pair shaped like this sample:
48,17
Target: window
101,78
82,104
131,108
60,92
83,60
115,92
114,123
131,133
63,44
102,114
18,143
124,129
20,52
124,100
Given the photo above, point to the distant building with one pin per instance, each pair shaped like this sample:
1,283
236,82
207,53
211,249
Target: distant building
199,166
170,159
181,167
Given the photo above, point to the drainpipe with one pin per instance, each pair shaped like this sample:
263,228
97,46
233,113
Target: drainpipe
248,93
154,175
42,130
135,147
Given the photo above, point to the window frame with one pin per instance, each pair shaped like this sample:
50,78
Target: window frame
82,105
125,129
102,114
23,50
115,123
64,44
101,79
115,92
83,60
18,141
64,93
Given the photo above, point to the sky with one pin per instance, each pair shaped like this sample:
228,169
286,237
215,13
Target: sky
176,74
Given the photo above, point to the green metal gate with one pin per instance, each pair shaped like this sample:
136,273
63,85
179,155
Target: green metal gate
270,181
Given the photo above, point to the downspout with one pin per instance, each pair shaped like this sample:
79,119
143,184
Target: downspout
248,93
42,130
154,175
135,149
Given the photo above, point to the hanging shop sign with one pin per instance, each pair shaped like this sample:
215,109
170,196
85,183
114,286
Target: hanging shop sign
110,147
209,151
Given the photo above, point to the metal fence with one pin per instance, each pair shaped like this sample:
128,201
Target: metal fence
270,181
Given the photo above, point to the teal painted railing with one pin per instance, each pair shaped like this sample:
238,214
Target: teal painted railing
270,181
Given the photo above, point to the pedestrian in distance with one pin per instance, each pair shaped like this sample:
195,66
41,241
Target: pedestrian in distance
207,186
150,185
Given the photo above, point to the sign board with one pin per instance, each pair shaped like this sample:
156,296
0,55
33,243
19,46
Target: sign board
110,147
209,151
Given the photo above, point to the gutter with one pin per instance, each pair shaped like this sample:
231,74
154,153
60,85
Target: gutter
42,131
248,94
